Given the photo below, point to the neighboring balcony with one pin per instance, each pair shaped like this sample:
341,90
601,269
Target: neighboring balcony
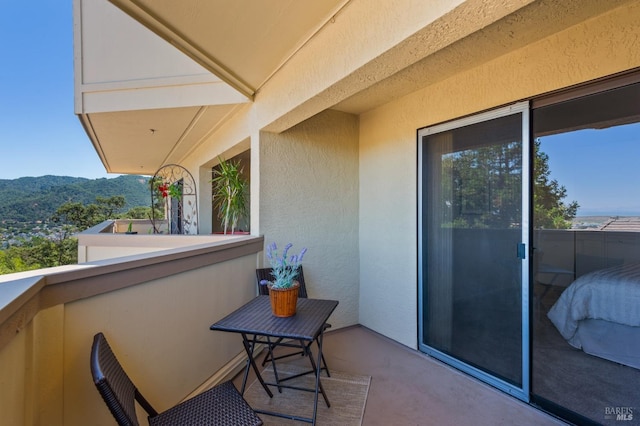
156,308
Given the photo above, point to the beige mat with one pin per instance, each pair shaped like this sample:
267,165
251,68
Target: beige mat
347,394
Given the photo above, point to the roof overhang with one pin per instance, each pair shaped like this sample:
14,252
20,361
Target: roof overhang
206,60
145,103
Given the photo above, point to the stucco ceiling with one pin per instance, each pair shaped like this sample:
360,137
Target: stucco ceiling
139,142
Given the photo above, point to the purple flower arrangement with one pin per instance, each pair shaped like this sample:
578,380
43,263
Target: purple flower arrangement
284,270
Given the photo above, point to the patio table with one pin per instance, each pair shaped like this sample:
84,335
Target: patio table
255,322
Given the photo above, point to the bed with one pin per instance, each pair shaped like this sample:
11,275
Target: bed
600,314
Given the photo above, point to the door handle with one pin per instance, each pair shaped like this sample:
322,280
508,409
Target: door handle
522,253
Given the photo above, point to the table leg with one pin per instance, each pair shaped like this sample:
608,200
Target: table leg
318,370
244,377
273,363
248,347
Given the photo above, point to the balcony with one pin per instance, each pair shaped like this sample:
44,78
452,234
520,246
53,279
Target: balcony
157,307
410,388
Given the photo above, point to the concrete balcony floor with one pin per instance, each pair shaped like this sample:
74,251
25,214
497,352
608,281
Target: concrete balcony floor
410,388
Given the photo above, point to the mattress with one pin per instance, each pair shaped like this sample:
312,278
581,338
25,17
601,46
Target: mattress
600,313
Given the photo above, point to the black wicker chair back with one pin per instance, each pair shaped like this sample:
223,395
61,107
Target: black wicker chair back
266,274
115,386
222,405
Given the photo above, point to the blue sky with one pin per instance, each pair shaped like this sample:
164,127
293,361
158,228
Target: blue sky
39,132
599,168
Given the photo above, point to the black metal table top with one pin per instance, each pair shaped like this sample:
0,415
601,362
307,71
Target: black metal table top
256,318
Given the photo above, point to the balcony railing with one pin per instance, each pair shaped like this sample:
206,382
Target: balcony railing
156,309
109,240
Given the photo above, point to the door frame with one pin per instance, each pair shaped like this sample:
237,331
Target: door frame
518,108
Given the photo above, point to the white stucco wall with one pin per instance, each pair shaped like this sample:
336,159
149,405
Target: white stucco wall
309,197
388,149
166,346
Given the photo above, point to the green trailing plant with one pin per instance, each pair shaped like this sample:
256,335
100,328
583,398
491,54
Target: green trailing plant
230,194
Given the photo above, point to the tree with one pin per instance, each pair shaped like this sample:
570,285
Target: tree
140,212
485,189
38,253
47,253
549,211
11,261
61,248
107,208
79,216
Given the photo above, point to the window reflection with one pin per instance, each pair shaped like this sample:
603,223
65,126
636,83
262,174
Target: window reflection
586,262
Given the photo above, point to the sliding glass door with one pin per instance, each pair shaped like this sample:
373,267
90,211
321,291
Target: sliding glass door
473,240
586,270
529,251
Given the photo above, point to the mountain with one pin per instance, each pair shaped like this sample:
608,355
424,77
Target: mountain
29,199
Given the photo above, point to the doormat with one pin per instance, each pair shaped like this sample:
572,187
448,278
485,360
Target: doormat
347,395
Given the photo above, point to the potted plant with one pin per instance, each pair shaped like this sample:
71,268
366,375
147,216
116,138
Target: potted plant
130,229
230,194
283,289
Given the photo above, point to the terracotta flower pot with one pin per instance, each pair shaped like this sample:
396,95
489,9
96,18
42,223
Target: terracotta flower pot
284,300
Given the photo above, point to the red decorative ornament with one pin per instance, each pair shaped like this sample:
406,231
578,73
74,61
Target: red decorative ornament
164,190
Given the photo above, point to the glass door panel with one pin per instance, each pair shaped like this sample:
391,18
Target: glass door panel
586,269
473,228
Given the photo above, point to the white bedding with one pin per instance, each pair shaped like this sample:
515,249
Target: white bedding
611,294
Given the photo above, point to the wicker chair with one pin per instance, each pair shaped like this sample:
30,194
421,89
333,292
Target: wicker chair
265,274
221,405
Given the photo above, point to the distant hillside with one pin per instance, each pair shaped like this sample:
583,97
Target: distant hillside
29,199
